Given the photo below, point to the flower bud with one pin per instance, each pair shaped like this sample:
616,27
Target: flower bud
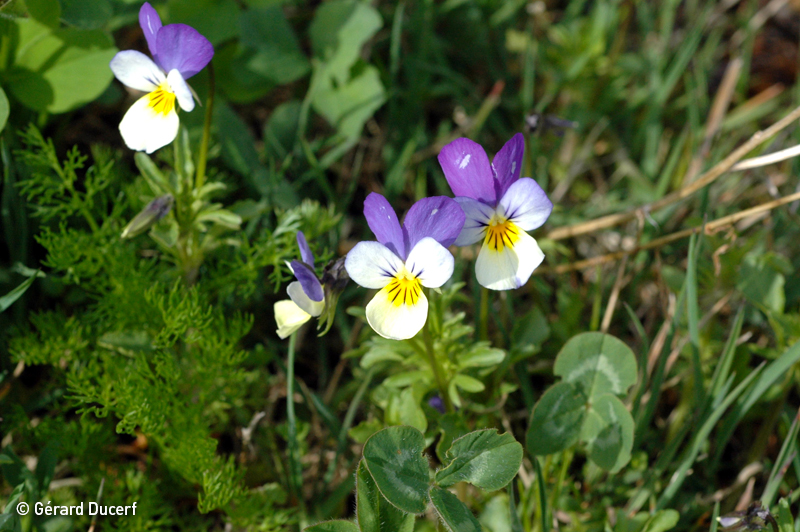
152,213
334,281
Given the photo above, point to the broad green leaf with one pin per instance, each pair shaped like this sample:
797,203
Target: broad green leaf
480,356
452,427
483,458
496,515
403,408
47,12
556,419
608,432
407,378
662,521
339,30
339,525
531,329
785,519
454,514
762,283
350,104
86,14
278,56
394,459
378,354
5,109
373,511
280,133
216,20
468,384
9,299
59,70
598,363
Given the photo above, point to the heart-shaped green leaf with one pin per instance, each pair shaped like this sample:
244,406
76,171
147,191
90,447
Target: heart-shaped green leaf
394,459
556,419
454,514
608,433
483,458
598,363
339,525
374,512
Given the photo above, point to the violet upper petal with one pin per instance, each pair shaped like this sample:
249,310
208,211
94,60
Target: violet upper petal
438,217
467,170
150,23
383,222
183,48
305,251
507,164
308,280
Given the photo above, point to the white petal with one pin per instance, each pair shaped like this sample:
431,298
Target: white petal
295,291
143,129
510,267
396,322
136,70
289,317
181,90
430,262
478,215
526,204
372,265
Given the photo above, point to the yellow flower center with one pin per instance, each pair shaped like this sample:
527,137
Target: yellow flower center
501,233
162,100
403,290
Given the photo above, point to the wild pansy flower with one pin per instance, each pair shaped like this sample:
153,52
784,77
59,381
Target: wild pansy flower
308,296
179,52
500,207
404,259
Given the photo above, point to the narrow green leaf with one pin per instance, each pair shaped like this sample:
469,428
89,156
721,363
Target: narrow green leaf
9,299
394,459
556,419
597,362
155,179
662,521
339,525
373,511
5,109
454,514
483,458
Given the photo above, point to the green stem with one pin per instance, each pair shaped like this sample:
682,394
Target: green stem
484,314
295,469
437,374
201,160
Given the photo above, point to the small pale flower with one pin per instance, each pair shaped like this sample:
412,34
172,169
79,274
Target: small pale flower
307,297
500,207
404,259
179,52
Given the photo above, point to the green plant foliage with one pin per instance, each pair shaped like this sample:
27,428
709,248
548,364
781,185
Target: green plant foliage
454,514
595,368
373,512
483,458
394,458
43,73
334,526
5,110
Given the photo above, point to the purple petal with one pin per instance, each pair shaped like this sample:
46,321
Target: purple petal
308,280
526,204
382,220
438,217
183,48
467,170
305,251
150,23
508,163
